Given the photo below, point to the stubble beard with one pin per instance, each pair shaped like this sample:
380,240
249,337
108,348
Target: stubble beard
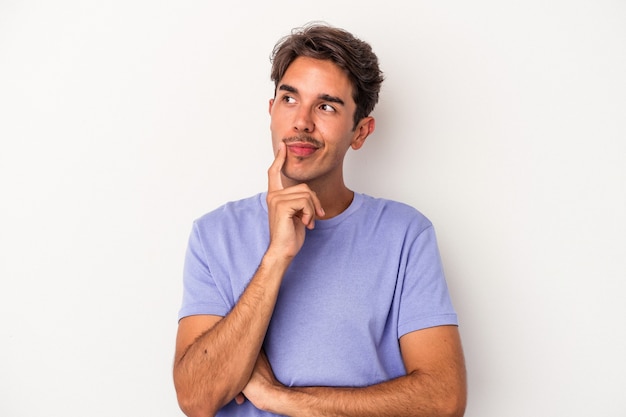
303,177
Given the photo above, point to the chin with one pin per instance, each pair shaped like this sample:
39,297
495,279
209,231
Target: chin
296,176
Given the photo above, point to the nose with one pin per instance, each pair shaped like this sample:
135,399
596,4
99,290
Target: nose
303,121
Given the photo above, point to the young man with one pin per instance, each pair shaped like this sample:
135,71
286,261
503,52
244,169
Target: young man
311,299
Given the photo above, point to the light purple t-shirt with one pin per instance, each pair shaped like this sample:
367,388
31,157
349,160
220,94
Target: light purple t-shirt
361,281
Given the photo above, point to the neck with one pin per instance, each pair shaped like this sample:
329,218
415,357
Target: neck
334,200
333,194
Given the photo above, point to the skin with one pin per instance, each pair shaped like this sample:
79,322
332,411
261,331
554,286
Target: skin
219,359
314,99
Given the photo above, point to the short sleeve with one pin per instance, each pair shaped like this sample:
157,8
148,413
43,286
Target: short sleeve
425,300
200,292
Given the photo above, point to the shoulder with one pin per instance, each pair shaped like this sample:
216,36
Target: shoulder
237,211
394,213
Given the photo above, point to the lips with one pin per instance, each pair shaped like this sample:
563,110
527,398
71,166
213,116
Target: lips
301,149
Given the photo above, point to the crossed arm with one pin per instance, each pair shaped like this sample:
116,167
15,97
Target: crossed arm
434,385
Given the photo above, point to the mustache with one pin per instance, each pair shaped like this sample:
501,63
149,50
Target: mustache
303,138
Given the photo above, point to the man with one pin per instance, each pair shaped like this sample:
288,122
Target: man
311,299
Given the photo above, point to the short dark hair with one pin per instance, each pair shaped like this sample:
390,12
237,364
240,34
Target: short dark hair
354,56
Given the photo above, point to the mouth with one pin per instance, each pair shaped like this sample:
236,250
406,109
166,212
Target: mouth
302,147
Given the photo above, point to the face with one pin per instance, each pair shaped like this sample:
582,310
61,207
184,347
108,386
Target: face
312,113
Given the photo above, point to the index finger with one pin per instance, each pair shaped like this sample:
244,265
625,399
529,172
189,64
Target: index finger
274,176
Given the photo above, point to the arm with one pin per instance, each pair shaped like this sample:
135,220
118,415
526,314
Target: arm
215,356
434,385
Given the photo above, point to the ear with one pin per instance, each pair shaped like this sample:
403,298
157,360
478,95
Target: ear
270,105
365,127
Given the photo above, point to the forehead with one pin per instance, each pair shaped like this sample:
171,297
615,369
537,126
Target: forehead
318,77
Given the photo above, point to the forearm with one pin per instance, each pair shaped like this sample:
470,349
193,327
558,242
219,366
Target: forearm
217,365
416,395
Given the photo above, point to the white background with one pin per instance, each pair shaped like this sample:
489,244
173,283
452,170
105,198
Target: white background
122,121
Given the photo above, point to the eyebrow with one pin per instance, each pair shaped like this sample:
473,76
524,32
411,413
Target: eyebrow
325,97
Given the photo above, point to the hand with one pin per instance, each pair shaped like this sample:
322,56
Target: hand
290,209
260,389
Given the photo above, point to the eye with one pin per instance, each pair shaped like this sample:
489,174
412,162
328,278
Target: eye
327,108
288,99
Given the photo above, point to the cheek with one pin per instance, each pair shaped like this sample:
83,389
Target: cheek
276,126
275,136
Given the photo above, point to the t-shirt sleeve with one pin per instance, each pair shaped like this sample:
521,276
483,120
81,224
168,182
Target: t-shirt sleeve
200,291
425,300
